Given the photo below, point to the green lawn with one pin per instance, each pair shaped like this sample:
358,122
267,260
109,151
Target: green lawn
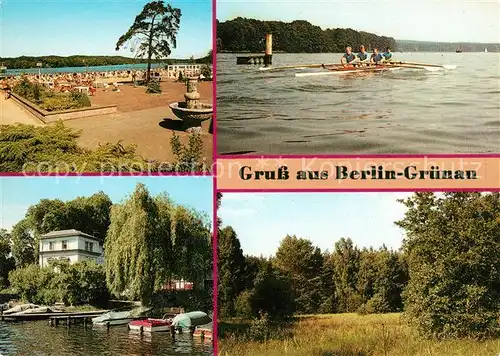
350,335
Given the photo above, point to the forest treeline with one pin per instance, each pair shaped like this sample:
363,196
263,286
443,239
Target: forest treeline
446,277
248,35
25,62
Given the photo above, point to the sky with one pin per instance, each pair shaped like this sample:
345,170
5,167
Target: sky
423,20
17,194
262,220
92,27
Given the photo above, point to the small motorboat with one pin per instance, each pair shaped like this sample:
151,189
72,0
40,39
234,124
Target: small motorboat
190,320
150,325
119,318
113,318
204,332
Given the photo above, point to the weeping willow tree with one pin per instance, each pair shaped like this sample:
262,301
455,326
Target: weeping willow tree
153,32
133,248
150,242
191,243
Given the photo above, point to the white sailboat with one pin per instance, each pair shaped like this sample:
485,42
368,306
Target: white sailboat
486,50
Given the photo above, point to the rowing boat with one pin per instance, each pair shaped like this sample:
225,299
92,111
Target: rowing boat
348,70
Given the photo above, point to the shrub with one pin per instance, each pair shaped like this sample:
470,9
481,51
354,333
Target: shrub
81,100
25,148
57,103
83,282
154,87
188,157
243,304
206,71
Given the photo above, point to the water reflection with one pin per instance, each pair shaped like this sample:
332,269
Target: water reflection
37,338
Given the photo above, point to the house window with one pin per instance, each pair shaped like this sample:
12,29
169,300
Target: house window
51,246
89,246
64,245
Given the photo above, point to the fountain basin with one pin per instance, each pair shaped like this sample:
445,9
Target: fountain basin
192,117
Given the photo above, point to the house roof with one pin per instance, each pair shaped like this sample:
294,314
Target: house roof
67,233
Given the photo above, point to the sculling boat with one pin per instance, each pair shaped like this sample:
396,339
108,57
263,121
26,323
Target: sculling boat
348,70
150,325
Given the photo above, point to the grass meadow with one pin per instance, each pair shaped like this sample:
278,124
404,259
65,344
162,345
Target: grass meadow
348,335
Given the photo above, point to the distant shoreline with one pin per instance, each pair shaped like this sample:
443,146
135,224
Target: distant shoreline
75,61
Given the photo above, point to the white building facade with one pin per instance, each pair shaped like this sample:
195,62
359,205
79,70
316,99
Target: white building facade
187,70
69,245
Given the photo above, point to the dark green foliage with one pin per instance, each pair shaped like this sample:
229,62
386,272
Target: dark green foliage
247,35
346,266
231,269
206,71
6,261
79,283
155,30
188,157
189,300
272,294
24,244
71,61
153,87
54,148
301,261
453,251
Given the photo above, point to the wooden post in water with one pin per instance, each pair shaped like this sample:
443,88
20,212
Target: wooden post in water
68,321
268,57
1,311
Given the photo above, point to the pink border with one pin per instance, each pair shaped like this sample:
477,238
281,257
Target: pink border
102,174
433,155
214,171
388,190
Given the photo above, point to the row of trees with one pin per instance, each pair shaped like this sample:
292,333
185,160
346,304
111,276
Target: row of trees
446,278
148,242
248,35
309,281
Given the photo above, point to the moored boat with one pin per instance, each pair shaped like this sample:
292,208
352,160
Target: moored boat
204,332
119,318
113,318
191,320
150,325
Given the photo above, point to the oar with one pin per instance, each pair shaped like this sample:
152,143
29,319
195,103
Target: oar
296,66
445,66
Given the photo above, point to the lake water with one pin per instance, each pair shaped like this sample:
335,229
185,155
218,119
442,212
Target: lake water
139,66
36,338
403,111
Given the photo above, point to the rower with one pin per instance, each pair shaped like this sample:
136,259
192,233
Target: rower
348,57
376,57
362,55
387,54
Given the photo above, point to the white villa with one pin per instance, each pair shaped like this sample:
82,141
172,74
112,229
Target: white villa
69,245
173,70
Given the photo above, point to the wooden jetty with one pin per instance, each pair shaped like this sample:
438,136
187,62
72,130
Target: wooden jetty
266,59
74,318
53,316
